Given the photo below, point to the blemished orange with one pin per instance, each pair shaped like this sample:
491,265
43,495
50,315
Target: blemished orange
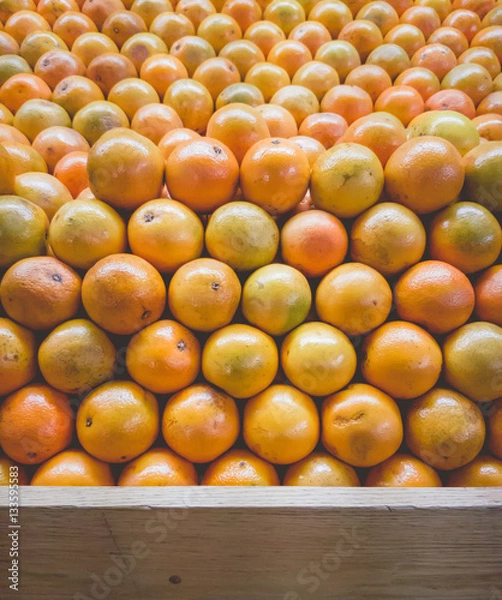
200,423
73,468
204,294
370,78
346,180
472,360
452,100
361,425
483,471
349,101
240,359
466,235
262,173
354,298
165,233
18,364
452,38
438,58
240,467
71,171
313,242
54,143
158,467
7,474
494,425
121,25
402,470
75,92
163,357
281,424
435,295
44,190
423,80
280,122
123,293
140,46
203,174
488,289
108,69
55,65
219,30
401,359
326,128
409,37
117,421
318,358
193,51
84,231
402,101
444,429
425,174
40,292
242,235
320,469
36,422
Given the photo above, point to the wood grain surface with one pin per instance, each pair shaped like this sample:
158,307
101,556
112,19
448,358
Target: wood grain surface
256,543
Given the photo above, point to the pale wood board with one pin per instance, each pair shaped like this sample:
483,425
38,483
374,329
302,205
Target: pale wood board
258,543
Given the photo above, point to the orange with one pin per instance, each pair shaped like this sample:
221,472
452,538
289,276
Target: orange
242,93
36,115
193,103
490,38
340,55
98,12
402,470
483,471
131,94
73,468
488,290
290,55
400,5
163,357
361,425
423,17
276,298
464,20
382,14
243,54
11,64
22,87
317,77
121,25
20,24
203,174
36,422
118,421
219,29
123,293
346,180
370,78
265,35
204,294
262,173
401,359
388,237
299,101
84,231
125,169
493,17
24,158
141,46
195,10
216,74
390,57
238,126
71,171
18,364
280,122
312,148
174,137
75,92
435,295
240,467
245,12
281,424
240,359
161,70
200,423
54,143
333,15
489,127
268,78
425,174
349,101
92,44
24,228
40,292
165,233
402,101
452,100
326,128
491,104
158,467
494,424
318,359
311,34
442,7
313,242
320,469
44,190
8,44
148,10
171,27
467,236
480,7
452,38
286,14
364,35
7,474
76,356
353,297
408,37
381,132
444,429
192,51
108,69
242,235
473,356
482,171
55,65
423,80
155,120
471,78
70,25
38,43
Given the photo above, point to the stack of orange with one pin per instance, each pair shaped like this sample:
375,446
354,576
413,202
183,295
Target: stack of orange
251,242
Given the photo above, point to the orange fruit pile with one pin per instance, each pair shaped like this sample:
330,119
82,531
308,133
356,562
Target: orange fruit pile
251,242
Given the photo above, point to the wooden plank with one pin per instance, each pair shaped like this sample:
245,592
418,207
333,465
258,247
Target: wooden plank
257,543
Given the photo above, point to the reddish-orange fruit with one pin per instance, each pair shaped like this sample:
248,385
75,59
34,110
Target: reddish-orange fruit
311,34
482,56
320,469
36,422
402,101
402,470
312,148
361,425
480,7
370,78
158,467
491,104
193,103
142,45
75,92
154,120
436,57
333,15
161,70
216,74
452,100
423,17
22,87
423,80
483,471
488,289
99,11
245,12
171,27
382,14
55,65
265,35
110,68
280,122
452,38
73,468
240,467
18,365
174,137
23,22
464,20
70,25
391,57
290,55
327,128
408,37
121,25
195,10
364,35
71,171
400,5
349,101
402,359
54,143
